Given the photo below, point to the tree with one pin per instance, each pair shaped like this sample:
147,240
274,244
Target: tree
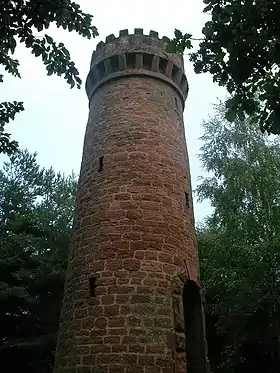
239,246
36,213
22,21
241,49
242,303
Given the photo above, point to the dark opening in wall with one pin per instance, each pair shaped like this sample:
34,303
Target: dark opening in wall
101,69
176,102
184,83
90,80
114,63
131,60
194,329
162,65
92,284
187,198
100,166
174,72
148,61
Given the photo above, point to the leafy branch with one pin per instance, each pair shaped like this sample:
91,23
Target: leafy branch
241,50
18,22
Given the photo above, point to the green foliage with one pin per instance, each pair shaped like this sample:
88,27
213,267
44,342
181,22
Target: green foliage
180,42
240,246
36,212
8,110
245,167
20,22
241,49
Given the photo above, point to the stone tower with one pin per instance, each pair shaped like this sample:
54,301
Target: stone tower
132,301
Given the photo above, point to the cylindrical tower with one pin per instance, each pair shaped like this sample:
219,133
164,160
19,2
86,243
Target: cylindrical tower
131,301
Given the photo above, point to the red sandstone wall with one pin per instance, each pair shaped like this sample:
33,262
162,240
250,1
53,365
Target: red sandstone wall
134,238
133,233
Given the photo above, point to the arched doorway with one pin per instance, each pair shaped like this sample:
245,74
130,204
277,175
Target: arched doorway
196,354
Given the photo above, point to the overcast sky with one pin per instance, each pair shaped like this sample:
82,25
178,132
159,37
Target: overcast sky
54,120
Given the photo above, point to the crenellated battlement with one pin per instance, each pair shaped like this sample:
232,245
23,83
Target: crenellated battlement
138,32
136,54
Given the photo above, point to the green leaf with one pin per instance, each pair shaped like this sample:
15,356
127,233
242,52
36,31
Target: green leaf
207,8
230,115
37,50
29,41
49,39
207,31
171,47
178,34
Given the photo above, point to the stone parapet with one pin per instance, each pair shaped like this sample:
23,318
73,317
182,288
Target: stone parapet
136,54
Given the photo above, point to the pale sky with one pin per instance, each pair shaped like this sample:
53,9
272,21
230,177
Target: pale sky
55,117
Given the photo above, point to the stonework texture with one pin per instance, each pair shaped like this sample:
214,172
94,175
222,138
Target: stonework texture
134,243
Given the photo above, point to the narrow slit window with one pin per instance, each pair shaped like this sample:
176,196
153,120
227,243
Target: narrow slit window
176,102
92,285
114,63
162,65
131,60
184,83
147,61
174,72
100,167
187,198
101,69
